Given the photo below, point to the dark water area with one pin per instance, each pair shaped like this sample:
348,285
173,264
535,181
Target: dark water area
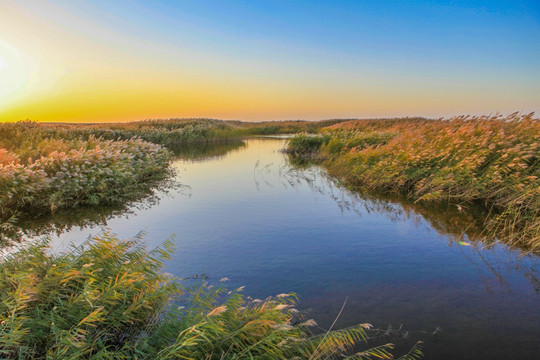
245,213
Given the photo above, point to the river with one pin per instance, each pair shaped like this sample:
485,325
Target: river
245,213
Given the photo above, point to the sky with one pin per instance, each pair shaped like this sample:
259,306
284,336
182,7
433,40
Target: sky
100,61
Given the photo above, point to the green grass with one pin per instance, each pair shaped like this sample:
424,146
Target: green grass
205,150
109,299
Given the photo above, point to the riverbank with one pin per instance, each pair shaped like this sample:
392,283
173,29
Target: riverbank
489,161
175,132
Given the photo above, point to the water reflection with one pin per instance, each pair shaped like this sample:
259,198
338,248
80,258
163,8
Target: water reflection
206,151
460,228
447,220
15,230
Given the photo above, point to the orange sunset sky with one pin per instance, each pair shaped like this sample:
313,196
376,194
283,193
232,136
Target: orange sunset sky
120,61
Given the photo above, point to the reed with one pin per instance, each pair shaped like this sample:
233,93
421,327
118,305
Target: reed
41,171
167,132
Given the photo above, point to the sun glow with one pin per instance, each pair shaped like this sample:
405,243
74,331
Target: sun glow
15,71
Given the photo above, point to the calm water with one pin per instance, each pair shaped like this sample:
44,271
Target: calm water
246,214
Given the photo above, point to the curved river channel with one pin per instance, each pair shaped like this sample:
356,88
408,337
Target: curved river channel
243,212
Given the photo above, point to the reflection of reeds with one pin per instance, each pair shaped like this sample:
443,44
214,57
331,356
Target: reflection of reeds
447,220
489,161
15,230
453,223
206,151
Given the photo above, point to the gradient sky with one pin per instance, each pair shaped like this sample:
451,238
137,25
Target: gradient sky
263,60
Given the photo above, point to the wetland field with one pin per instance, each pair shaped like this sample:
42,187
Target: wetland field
207,239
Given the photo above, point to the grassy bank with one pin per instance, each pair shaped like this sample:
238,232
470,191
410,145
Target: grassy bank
109,300
172,132
42,170
163,132
489,161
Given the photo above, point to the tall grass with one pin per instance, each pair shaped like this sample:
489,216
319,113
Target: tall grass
490,161
40,176
108,299
174,132
168,132
206,150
